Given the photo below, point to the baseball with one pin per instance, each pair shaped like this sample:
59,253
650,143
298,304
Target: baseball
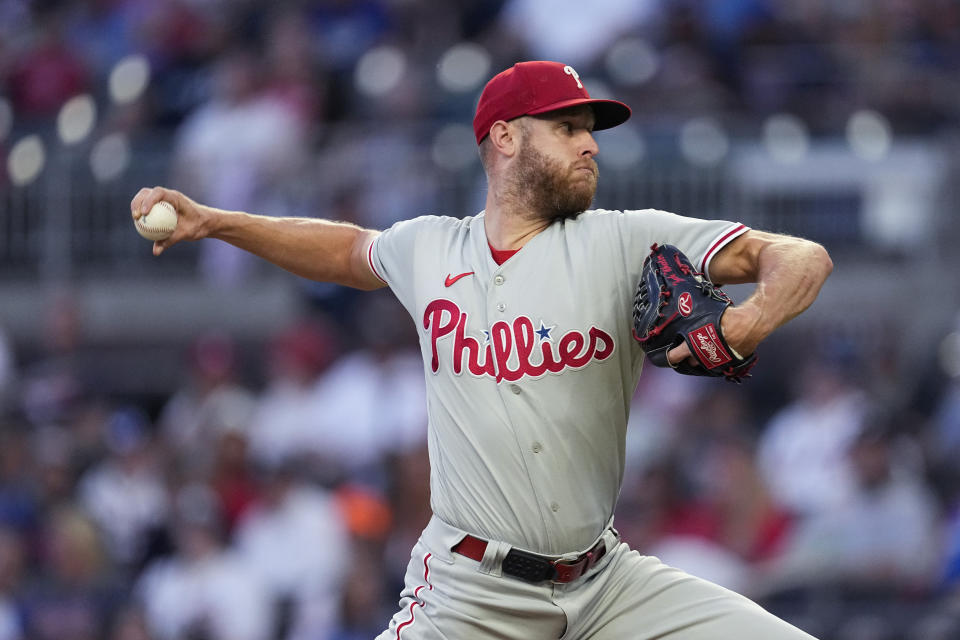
158,223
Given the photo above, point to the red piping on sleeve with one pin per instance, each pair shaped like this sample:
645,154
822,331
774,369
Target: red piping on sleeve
719,244
370,262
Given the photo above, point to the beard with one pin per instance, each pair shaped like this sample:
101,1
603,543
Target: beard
551,190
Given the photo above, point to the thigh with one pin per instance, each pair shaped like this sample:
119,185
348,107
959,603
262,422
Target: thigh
450,599
640,597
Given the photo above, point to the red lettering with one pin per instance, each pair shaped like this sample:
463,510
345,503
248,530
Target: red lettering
433,315
572,344
462,342
667,270
574,349
598,336
502,338
526,340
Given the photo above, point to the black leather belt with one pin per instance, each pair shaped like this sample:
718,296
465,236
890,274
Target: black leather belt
532,567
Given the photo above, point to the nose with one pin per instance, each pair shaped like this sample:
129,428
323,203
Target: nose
590,147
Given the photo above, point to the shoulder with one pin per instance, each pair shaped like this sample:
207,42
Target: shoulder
621,216
436,222
430,226
618,222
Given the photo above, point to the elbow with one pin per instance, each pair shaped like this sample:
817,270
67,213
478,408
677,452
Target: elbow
822,259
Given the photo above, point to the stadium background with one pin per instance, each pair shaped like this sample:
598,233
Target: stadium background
202,446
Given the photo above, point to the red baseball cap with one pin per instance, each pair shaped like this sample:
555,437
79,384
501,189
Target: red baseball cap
529,88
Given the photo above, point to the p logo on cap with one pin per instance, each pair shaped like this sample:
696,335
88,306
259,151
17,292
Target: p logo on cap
539,86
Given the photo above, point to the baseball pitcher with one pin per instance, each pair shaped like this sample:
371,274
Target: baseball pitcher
534,317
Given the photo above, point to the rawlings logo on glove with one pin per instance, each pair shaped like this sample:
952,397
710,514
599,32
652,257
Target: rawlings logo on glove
676,304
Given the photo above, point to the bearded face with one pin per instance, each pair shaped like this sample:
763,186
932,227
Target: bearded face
553,189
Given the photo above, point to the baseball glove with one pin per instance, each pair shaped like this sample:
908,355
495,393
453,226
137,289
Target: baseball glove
676,304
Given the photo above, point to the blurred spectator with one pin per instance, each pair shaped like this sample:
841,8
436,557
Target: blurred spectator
803,449
54,473
54,383
390,168
410,505
74,594
362,602
235,150
12,565
19,499
294,77
882,538
209,403
345,29
232,476
659,404
204,589
567,32
751,524
48,73
372,401
289,409
102,31
659,515
295,540
126,493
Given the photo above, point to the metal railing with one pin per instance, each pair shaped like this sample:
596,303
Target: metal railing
66,225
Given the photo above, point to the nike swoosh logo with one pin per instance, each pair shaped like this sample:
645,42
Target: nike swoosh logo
451,279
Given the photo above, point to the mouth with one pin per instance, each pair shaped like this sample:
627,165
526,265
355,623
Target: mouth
590,168
585,171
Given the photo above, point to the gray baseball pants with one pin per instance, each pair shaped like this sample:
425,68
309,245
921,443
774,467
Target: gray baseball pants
625,596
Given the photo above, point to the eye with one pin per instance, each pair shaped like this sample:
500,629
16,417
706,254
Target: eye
567,126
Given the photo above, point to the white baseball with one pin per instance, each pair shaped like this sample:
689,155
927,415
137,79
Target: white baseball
159,222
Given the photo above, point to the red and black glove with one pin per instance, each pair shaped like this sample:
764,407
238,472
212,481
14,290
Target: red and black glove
676,304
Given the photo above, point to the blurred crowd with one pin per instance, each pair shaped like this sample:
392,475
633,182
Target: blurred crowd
277,491
278,500
263,101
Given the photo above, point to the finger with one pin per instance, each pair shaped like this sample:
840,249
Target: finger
135,203
152,197
158,248
678,354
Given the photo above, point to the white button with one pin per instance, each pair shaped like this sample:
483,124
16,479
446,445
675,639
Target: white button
501,306
537,447
498,280
554,506
515,388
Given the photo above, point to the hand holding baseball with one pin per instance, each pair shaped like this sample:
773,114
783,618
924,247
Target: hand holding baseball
167,216
159,223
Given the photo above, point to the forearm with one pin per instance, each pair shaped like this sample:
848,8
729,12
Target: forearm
789,275
315,249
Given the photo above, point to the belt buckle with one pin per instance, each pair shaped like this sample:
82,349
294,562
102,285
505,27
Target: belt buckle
528,566
535,568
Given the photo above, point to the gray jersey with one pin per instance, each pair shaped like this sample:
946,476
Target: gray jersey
531,365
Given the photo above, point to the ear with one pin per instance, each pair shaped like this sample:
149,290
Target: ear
505,137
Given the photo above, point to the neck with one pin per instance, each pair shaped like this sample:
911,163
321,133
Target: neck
510,221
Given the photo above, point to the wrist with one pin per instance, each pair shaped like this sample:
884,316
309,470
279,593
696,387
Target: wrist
742,329
214,222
